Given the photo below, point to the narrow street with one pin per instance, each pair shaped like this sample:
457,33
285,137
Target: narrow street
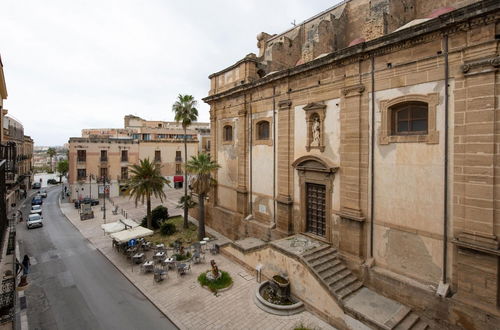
72,286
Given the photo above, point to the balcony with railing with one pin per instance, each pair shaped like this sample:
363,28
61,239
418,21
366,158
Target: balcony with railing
8,153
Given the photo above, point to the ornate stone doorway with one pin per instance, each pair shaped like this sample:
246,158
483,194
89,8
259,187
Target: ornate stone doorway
316,186
316,209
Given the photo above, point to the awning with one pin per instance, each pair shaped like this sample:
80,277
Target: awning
119,225
126,235
178,178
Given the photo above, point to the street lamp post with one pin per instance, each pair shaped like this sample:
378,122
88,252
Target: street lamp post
104,190
90,179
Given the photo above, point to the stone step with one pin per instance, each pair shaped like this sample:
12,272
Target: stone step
348,290
420,325
338,277
318,254
308,253
408,322
323,260
343,283
337,269
399,316
331,266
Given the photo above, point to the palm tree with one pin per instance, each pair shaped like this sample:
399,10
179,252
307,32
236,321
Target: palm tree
146,181
186,202
203,167
51,152
185,112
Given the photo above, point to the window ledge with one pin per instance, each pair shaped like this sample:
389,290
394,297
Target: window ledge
268,142
430,138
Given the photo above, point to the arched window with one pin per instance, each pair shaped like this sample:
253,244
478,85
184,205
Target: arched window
227,133
263,130
409,118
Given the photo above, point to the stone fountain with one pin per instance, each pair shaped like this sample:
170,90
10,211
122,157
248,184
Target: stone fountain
274,297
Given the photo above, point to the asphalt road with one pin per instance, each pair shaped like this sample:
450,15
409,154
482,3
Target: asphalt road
73,286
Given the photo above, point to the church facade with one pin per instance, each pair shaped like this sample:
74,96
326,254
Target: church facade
373,127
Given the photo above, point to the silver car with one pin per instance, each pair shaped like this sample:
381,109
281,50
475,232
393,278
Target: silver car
34,220
36,209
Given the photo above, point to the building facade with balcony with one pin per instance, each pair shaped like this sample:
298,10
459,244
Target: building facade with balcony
108,153
8,163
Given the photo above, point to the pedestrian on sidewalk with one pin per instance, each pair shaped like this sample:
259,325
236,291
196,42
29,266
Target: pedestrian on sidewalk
26,264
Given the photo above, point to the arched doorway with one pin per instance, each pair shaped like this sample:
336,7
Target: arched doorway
316,176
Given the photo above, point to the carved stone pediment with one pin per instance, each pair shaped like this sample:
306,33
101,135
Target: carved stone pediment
314,164
315,106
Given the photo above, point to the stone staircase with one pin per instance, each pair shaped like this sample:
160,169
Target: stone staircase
325,262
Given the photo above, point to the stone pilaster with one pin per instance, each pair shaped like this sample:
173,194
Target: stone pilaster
285,171
242,147
476,144
352,219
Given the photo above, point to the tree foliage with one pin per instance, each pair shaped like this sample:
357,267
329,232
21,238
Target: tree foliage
62,168
146,181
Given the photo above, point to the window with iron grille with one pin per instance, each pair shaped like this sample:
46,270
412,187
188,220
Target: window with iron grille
124,173
409,118
263,130
103,172
124,156
81,155
228,133
104,155
81,174
157,156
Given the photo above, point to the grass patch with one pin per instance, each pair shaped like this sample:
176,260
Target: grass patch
187,236
302,326
222,282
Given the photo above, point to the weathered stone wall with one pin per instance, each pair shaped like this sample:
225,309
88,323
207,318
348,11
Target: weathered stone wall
408,199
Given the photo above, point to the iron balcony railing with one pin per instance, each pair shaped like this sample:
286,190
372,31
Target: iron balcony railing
9,154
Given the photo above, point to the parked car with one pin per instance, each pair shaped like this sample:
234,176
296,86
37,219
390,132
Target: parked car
37,200
52,181
34,220
43,193
87,200
36,185
36,209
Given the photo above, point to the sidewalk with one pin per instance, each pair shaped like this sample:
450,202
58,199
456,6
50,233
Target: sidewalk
182,299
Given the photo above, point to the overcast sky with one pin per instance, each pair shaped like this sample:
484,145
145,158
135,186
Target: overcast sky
87,63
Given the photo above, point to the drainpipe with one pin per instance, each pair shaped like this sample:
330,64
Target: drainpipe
250,170
446,110
273,225
372,159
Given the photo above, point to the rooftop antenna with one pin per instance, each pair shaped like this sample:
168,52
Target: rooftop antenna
293,23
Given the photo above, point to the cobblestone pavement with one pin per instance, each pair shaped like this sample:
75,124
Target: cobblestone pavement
182,299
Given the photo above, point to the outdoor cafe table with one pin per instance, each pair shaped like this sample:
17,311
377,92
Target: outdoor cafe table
148,266
169,262
159,256
160,246
203,245
146,245
138,258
